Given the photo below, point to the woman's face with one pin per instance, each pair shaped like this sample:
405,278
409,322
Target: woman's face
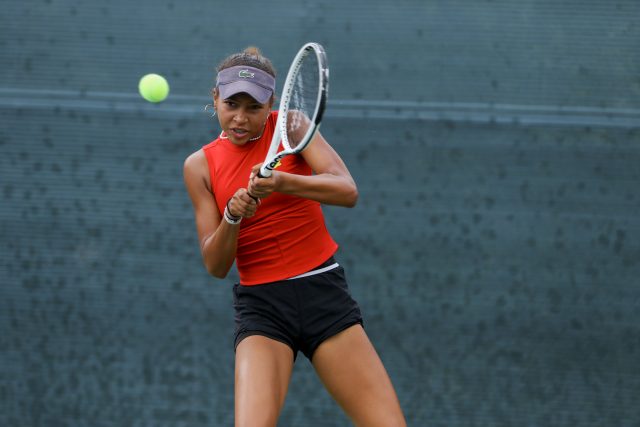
241,117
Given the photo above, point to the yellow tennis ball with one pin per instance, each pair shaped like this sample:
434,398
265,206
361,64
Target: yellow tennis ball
153,87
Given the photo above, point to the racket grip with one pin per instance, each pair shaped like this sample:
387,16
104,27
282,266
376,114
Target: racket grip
264,172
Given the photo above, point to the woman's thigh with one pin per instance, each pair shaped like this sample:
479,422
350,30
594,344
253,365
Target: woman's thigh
354,375
262,375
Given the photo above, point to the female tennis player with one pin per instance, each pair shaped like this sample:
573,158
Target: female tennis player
292,295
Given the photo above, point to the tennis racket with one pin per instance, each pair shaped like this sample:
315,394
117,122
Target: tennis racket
302,103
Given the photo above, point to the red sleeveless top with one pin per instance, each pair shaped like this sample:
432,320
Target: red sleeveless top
287,236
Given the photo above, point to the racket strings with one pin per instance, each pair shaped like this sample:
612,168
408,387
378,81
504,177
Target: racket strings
304,97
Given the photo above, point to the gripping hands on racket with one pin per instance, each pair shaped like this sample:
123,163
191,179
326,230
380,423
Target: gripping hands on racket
261,187
244,204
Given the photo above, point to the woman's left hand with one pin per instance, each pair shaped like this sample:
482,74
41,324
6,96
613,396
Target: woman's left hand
262,187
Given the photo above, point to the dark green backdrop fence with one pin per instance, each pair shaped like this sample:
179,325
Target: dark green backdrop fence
494,250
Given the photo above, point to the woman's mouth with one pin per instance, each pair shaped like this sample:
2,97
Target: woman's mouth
239,133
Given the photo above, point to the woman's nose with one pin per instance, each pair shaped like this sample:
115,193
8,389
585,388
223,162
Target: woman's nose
240,116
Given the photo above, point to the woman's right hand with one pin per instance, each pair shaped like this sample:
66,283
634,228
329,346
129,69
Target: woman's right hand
241,204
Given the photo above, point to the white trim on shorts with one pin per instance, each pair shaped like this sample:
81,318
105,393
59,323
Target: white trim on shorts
314,272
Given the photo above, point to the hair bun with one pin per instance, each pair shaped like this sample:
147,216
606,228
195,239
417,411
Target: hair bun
252,50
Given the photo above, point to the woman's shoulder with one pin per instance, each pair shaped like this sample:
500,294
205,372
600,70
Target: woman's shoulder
196,163
195,157
196,171
199,157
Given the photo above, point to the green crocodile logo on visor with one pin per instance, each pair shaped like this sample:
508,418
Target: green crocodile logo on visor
245,74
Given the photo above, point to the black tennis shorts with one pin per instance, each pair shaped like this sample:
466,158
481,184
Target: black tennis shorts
301,312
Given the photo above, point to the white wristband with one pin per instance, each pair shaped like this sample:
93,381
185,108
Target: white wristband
233,220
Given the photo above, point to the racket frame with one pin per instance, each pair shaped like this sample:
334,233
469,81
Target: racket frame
280,135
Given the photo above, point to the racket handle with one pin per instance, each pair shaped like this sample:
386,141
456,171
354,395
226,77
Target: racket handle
264,172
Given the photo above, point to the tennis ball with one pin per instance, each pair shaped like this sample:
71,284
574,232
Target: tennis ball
153,87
